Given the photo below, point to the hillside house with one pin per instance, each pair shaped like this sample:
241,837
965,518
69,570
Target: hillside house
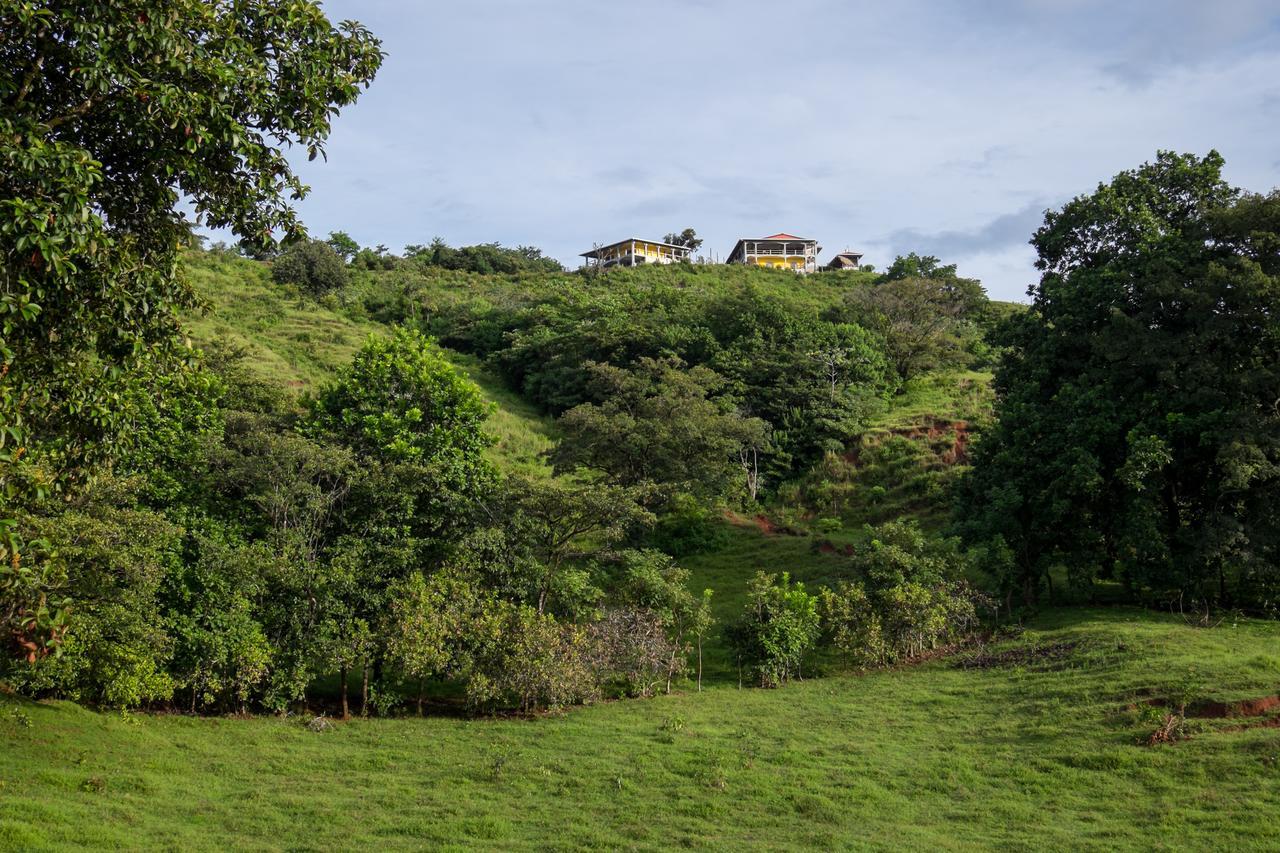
846,260
634,251
780,251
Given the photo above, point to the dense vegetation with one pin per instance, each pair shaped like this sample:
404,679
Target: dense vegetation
465,479
1138,430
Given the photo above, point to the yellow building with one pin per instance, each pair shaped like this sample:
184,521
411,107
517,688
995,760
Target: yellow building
633,252
780,251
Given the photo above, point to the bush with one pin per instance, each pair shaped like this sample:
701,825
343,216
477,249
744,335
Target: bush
780,626
688,527
630,649
910,602
534,663
312,266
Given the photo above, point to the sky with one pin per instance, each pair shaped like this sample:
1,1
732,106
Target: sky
946,128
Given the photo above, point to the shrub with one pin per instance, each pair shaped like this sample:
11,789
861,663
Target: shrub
312,266
779,627
533,663
910,602
629,648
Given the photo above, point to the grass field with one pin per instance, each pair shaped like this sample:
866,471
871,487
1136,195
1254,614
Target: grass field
1023,756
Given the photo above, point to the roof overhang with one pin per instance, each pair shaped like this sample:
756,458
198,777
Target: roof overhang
596,252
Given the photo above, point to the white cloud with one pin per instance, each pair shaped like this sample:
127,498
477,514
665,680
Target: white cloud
567,122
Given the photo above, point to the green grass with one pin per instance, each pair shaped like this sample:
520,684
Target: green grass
299,343
930,757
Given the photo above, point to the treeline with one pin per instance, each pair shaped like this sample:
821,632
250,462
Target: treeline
320,266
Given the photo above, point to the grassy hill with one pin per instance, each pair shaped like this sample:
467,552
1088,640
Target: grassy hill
1036,747
899,471
1037,741
298,343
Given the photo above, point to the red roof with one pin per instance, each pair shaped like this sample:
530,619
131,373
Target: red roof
783,237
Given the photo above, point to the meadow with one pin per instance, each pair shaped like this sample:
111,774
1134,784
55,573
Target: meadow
1036,753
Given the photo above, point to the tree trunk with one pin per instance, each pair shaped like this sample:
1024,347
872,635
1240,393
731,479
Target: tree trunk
422,688
364,691
342,676
699,664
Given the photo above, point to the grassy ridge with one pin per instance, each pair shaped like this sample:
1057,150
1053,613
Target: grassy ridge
1041,756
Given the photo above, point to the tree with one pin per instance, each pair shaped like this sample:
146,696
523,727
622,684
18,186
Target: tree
342,244
436,625
404,407
402,401
662,423
1138,436
312,266
687,238
110,115
556,524
920,318
917,266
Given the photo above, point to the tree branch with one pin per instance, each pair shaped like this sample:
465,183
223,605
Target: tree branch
80,109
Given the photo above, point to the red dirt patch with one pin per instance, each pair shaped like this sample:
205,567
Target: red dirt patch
1211,710
826,546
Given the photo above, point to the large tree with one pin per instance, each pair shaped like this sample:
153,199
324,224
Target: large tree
660,422
115,118
1139,430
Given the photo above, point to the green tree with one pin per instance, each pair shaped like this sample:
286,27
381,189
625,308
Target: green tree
661,423
687,238
779,627
402,401
312,266
553,526
923,318
342,244
109,115
1138,436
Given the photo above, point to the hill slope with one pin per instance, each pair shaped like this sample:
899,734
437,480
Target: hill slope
298,344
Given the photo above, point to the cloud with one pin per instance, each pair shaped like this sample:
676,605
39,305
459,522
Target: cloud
1001,233
922,125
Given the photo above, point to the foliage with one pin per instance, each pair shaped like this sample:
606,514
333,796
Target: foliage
659,423
311,265
924,313
912,598
779,628
1142,383
687,238
550,529
538,663
343,246
485,258
401,401
630,648
110,114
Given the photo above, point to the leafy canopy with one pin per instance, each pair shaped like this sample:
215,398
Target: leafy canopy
110,114
1138,434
